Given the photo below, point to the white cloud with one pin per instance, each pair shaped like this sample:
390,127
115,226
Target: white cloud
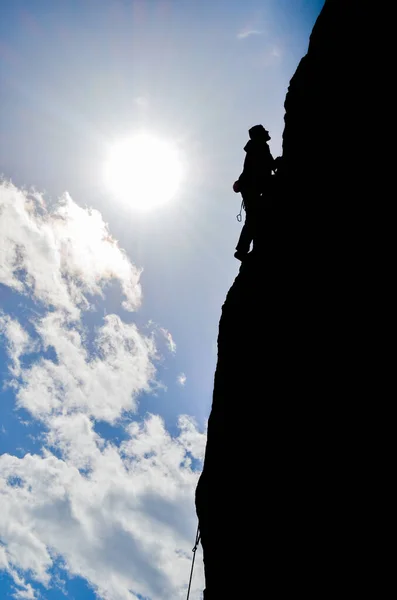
122,517
195,444
25,594
103,385
181,379
60,254
247,32
272,56
18,341
170,342
126,525
3,559
276,52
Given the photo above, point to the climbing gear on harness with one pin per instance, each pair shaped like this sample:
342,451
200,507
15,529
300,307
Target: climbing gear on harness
198,535
239,217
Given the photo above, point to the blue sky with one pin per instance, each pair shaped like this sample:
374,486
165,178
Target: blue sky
109,314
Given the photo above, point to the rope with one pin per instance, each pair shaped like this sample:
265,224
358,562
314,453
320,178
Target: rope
194,556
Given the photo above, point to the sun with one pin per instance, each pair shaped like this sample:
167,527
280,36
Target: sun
143,171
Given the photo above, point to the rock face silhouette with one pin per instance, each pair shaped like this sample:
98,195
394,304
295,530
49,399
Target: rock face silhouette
284,490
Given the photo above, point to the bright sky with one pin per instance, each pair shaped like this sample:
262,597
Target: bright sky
122,126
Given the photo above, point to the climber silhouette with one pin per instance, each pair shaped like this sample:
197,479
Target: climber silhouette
252,183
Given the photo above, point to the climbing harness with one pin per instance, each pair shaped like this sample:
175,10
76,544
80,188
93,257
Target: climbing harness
239,217
194,556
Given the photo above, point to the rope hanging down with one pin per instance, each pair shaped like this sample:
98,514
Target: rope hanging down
194,556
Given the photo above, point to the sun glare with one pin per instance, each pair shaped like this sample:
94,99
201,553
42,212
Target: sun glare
143,171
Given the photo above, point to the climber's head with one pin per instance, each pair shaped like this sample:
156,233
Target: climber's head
258,132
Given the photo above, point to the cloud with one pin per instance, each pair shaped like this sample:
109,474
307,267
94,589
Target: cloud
3,559
181,379
126,524
102,384
18,341
272,55
27,593
60,254
247,32
170,341
276,52
122,517
26,590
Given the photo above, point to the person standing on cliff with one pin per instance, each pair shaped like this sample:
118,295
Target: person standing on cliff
253,181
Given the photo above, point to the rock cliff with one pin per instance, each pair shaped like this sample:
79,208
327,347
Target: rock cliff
280,499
